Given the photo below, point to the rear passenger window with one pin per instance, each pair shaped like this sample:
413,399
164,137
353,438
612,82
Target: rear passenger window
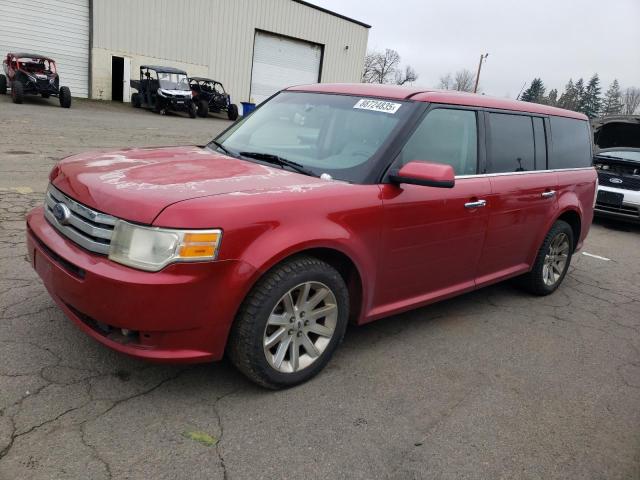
571,143
511,147
541,143
446,135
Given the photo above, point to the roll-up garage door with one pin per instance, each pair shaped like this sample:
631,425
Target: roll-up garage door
56,28
280,62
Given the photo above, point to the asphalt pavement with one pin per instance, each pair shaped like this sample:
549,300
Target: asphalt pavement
495,384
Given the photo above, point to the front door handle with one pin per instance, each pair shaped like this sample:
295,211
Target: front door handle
476,204
548,194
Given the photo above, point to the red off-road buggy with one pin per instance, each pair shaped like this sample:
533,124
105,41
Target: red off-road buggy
32,74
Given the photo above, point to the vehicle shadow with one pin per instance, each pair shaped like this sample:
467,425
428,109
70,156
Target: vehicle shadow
360,340
618,225
38,100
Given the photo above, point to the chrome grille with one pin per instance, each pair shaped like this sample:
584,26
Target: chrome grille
89,229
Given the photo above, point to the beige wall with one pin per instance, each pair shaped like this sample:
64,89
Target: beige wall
101,68
215,38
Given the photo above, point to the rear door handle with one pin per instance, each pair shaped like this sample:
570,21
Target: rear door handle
548,194
476,204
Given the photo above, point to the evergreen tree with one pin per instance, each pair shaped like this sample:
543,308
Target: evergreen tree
612,104
569,98
592,101
535,92
580,99
552,98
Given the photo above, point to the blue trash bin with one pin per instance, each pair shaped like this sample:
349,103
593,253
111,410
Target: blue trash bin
247,108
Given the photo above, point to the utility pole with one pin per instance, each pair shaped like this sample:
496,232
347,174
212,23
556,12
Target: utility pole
482,57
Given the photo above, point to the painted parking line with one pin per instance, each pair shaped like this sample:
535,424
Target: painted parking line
596,256
21,190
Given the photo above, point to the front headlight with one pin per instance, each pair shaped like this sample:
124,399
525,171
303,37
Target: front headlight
152,249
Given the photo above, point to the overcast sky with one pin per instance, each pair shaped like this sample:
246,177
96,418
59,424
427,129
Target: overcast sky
553,39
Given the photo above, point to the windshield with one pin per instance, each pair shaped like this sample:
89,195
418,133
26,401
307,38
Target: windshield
335,134
627,155
173,81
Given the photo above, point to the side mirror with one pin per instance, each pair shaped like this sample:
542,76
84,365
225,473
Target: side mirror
426,174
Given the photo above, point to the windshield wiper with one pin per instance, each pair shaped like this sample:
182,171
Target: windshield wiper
222,147
275,159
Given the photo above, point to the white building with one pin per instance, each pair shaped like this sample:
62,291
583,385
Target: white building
254,47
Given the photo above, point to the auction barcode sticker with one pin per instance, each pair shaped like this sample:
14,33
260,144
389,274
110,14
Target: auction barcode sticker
377,105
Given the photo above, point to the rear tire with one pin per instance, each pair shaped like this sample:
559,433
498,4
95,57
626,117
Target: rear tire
282,316
17,91
65,97
193,110
3,85
552,261
135,100
203,108
232,112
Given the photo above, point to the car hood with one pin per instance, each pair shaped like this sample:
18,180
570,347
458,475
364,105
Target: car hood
137,184
618,131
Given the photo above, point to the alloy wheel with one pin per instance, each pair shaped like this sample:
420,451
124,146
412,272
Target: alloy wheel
555,260
300,327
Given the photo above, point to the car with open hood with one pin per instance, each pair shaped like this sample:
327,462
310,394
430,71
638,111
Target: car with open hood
329,204
617,160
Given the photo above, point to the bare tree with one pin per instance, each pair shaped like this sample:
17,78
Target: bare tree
630,100
409,75
384,67
369,67
446,82
461,81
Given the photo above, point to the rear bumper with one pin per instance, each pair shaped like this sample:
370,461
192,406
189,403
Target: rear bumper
180,314
629,210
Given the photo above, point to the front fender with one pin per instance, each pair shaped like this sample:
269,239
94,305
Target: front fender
276,245
261,234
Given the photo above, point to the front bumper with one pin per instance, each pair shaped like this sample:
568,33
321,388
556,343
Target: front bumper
41,86
628,210
176,104
180,314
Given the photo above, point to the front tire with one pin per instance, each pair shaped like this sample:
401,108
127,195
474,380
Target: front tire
65,97
232,112
193,110
552,261
17,91
135,100
3,85
291,323
203,108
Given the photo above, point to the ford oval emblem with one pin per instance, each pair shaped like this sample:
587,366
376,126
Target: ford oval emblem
615,180
62,213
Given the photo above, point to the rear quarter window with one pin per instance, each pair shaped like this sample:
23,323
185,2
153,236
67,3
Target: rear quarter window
571,143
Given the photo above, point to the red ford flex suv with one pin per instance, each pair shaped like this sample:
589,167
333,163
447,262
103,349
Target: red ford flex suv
328,204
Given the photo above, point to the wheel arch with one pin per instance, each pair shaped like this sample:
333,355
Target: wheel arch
573,218
344,262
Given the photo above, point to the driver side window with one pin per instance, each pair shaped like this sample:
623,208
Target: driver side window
448,136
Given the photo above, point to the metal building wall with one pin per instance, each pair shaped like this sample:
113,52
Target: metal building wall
215,38
57,28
